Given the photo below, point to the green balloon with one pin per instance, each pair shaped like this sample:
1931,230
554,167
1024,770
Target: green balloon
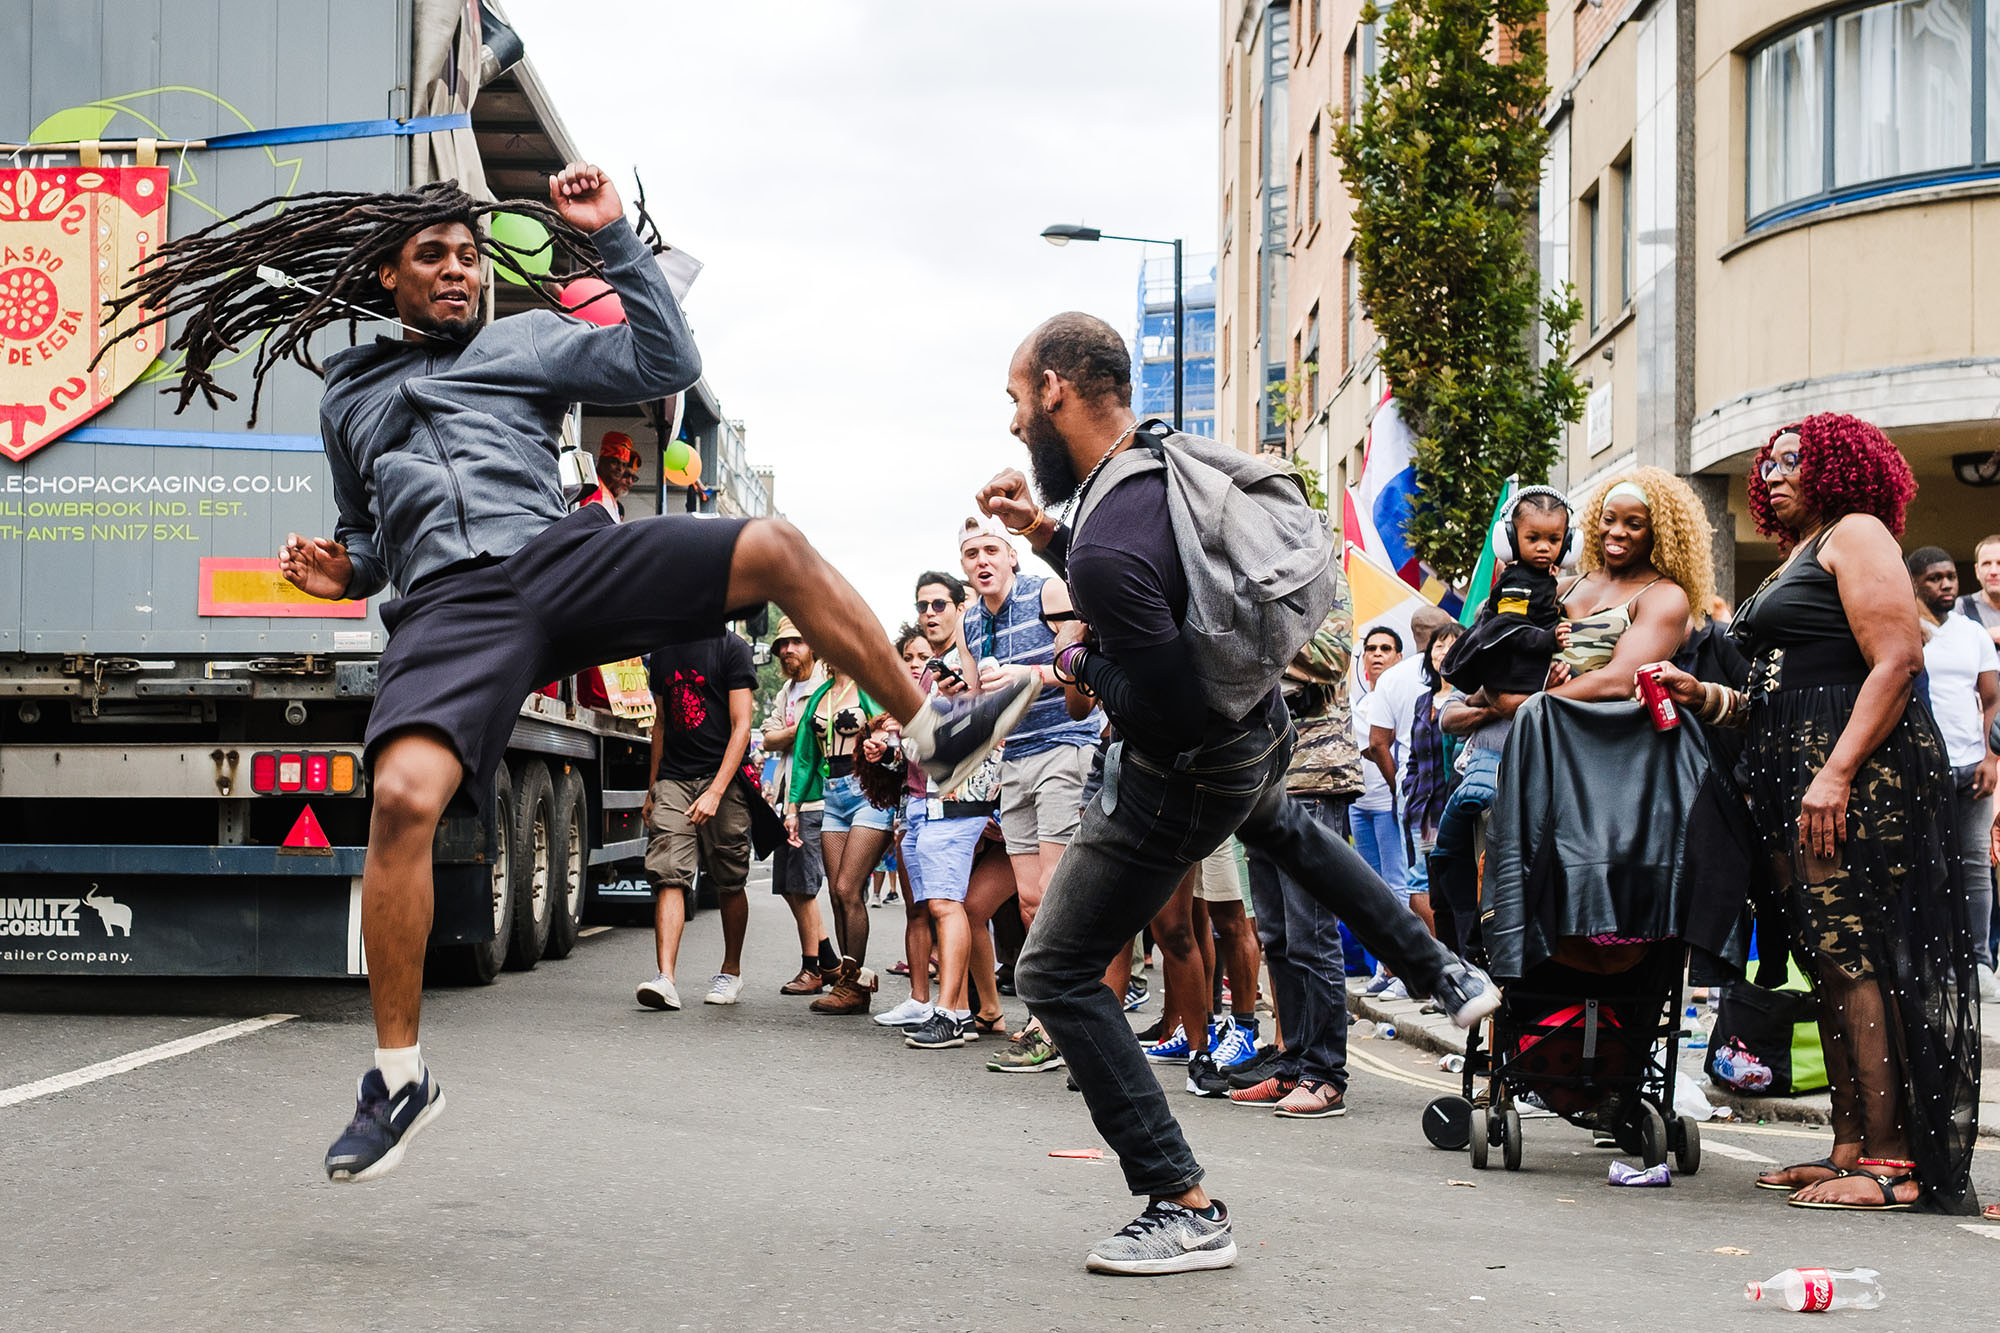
675,459
520,232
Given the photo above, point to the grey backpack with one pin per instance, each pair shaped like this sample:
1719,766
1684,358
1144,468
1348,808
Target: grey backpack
1258,558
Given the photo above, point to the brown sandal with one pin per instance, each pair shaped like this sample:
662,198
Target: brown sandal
1825,1162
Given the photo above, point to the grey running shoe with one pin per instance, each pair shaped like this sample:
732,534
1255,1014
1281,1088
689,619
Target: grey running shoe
1166,1238
1031,1053
1466,993
951,737
936,1033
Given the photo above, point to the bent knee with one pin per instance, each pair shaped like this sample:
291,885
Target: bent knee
774,547
404,800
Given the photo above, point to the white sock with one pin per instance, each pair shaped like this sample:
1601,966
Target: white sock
958,1015
400,1066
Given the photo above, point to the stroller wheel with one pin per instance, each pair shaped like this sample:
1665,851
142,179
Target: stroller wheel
1687,1146
1448,1123
1652,1135
1482,1136
1510,1138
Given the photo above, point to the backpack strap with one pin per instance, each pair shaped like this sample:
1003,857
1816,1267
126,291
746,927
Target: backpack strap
1146,455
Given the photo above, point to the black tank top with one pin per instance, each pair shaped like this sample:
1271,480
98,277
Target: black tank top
1798,609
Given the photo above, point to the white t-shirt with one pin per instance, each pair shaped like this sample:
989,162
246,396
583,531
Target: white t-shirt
1375,794
1955,656
1394,702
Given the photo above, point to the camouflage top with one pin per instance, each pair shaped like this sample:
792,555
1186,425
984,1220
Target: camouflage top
1327,761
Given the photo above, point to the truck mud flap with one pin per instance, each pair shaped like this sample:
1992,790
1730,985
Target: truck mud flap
129,925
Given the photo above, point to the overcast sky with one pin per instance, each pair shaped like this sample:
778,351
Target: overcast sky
866,182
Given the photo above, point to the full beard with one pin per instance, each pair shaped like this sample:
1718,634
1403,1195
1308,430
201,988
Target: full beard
1048,458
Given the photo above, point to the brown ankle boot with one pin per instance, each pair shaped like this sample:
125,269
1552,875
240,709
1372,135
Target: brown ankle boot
809,981
850,993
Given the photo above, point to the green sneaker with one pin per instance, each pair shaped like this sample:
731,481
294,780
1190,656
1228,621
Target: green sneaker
1031,1053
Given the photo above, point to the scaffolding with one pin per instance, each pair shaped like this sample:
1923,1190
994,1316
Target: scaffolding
1153,360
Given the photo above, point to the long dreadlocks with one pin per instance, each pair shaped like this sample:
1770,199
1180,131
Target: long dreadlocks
332,241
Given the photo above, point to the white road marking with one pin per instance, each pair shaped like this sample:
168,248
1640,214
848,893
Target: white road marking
588,931
1981,1229
1734,1152
124,1064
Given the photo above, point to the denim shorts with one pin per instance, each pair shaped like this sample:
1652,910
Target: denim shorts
847,808
940,853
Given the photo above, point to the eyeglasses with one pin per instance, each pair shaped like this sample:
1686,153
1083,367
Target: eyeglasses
936,605
1779,465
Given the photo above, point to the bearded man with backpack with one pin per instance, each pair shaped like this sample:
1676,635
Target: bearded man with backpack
1197,572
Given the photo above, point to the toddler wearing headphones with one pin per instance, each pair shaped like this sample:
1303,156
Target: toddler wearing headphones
1508,648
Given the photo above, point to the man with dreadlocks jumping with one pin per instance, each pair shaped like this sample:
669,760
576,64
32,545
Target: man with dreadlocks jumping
445,479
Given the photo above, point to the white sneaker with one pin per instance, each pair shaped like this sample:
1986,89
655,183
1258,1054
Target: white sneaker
659,993
908,1014
1395,990
1989,985
723,989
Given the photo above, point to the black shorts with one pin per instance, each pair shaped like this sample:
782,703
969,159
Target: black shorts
465,648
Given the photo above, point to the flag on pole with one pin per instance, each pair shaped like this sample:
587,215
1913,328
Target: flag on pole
1481,585
1375,512
1380,597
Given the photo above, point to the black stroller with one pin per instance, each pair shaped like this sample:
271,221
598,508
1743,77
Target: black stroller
1600,1049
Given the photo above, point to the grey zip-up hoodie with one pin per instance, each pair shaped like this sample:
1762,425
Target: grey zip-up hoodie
444,452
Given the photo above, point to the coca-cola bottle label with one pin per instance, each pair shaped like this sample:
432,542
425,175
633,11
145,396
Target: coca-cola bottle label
1819,1288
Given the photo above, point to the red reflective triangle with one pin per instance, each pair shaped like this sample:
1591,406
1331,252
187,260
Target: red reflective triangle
307,832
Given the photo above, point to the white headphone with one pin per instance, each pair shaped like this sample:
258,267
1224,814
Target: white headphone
1503,527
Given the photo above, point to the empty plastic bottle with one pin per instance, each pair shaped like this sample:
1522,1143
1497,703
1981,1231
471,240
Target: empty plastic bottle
1813,1289
1386,1031
1694,1037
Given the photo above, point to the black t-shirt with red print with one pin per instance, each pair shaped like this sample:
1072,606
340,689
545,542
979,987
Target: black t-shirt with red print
691,684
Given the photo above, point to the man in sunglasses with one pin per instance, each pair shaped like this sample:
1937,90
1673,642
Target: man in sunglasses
617,469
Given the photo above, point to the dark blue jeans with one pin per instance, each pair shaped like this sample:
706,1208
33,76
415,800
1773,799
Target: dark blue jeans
1149,824
1301,939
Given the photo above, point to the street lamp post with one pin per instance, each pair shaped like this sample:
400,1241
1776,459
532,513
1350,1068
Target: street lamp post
1062,233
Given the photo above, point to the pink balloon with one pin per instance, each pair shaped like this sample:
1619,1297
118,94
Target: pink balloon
606,309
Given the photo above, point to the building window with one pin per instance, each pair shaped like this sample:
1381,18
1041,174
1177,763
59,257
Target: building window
1621,180
1229,85
1879,93
1350,78
1309,366
1350,311
1298,176
1312,175
1593,280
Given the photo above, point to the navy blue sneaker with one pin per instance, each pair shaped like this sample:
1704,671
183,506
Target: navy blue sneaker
372,1144
951,737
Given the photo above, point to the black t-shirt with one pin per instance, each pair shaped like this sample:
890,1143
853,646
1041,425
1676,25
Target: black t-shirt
1126,581
691,684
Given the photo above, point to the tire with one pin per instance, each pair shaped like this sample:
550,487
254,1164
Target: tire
534,866
569,852
1510,1138
1687,1153
1652,1135
479,963
1482,1137
1448,1123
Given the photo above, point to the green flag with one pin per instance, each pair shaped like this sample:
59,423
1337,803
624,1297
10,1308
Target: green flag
1481,586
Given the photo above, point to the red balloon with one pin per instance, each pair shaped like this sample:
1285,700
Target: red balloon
604,306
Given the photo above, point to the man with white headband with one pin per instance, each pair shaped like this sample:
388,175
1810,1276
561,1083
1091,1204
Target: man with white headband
1047,759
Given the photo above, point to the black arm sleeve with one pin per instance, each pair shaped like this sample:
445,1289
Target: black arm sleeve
1154,699
1056,554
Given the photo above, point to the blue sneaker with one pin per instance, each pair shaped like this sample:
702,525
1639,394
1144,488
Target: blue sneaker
373,1143
1170,1050
1136,994
1233,1046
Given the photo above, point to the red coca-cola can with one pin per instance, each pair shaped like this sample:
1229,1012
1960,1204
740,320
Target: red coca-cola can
1658,702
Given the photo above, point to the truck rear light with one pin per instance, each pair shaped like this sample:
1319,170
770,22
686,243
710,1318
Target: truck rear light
316,772
291,772
264,772
340,774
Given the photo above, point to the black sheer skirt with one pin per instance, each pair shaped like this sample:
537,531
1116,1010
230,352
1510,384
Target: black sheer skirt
1892,912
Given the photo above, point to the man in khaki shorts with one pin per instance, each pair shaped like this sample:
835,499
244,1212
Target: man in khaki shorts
698,811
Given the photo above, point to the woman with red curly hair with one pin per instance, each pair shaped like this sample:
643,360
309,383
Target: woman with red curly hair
1849,784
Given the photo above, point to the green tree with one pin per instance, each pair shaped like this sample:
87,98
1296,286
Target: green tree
1443,159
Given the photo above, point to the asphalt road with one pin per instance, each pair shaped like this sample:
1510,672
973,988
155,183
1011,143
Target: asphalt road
604,1167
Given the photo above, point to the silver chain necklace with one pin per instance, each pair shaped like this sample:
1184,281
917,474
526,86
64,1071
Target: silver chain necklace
1109,454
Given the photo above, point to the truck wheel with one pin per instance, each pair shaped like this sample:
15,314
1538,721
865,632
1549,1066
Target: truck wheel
479,963
534,866
570,854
